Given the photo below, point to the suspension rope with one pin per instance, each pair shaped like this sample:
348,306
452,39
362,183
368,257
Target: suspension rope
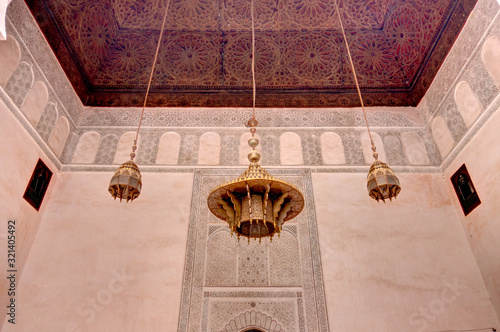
253,59
375,154
134,147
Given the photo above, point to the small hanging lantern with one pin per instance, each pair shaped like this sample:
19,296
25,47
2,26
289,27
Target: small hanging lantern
382,182
126,183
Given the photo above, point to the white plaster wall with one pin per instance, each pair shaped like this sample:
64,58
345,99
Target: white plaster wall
442,136
482,226
490,54
86,149
168,149
332,149
10,55
59,135
467,102
400,266
35,102
209,150
19,157
291,149
127,257
414,147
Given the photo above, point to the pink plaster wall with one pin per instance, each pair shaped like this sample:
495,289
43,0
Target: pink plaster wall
101,265
482,226
19,156
400,266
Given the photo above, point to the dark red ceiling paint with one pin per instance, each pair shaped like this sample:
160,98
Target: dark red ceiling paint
107,47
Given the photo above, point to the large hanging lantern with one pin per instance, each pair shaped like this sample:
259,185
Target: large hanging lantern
255,205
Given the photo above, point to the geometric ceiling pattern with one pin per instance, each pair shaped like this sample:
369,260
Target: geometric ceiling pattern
106,48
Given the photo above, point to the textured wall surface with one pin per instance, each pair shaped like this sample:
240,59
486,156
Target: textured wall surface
400,266
21,154
36,51
470,65
101,265
482,225
163,263
225,278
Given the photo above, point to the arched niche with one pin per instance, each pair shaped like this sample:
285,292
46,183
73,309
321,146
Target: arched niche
86,149
490,54
367,148
245,149
209,149
415,150
35,102
168,149
221,260
291,149
10,53
124,148
467,102
59,135
442,136
332,149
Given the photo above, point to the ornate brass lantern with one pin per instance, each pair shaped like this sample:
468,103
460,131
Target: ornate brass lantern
126,183
256,204
382,182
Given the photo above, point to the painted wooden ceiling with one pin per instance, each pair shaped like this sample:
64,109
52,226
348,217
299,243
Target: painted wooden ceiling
107,47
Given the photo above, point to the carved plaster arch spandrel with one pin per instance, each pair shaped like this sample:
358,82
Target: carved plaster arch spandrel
253,319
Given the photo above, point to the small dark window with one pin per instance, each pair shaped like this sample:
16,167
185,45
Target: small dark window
39,182
465,190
